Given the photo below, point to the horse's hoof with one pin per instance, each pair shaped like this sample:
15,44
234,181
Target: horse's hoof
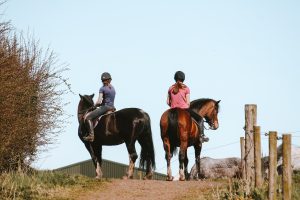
148,177
127,177
182,179
98,177
170,178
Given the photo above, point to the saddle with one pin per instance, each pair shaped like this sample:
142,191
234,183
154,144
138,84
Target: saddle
96,121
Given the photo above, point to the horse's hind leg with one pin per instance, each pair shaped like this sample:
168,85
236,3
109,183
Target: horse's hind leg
168,157
186,162
132,158
149,171
145,156
182,153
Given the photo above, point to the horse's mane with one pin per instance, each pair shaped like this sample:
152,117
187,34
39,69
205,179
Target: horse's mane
198,103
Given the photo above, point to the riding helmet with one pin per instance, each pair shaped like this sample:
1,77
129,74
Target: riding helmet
105,76
179,76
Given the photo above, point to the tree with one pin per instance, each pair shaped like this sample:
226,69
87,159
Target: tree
31,105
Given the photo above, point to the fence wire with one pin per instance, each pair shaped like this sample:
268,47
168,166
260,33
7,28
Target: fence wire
264,133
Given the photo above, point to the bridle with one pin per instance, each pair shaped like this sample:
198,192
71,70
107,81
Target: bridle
84,111
209,122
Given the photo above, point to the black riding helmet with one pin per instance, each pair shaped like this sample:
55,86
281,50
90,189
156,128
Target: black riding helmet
179,76
105,76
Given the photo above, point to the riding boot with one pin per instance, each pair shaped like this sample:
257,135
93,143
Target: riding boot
204,138
90,136
200,124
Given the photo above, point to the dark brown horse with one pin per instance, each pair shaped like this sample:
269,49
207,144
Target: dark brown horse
179,129
127,125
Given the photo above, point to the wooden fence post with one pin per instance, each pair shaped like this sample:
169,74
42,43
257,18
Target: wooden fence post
250,122
242,141
272,164
257,156
286,167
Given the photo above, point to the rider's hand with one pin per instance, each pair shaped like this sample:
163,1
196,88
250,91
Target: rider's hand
93,108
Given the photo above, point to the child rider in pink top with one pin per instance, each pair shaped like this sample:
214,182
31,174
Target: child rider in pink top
179,93
179,97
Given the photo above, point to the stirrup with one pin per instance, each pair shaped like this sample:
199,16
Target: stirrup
204,138
89,138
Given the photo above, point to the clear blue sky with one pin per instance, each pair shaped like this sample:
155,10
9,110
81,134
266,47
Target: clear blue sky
239,52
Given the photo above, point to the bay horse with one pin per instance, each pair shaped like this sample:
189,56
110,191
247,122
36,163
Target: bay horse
179,129
123,126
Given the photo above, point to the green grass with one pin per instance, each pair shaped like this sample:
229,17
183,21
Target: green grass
44,185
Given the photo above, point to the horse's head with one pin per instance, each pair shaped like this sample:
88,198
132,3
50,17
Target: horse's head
208,109
85,103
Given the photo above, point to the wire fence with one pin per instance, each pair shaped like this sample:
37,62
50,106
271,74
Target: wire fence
295,134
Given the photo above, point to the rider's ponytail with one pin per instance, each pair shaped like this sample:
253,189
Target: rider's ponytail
178,85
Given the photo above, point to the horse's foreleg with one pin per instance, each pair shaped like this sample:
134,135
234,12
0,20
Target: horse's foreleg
88,146
98,154
197,159
99,173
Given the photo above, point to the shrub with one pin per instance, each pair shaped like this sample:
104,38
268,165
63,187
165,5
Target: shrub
31,89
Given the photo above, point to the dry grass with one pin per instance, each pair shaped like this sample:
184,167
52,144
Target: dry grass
45,185
207,192
235,190
53,185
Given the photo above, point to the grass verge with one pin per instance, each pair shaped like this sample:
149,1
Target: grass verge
45,185
236,190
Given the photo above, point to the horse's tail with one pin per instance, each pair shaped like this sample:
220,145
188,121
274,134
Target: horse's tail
172,130
147,157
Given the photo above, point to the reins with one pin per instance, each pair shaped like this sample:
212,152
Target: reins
83,111
203,124
208,124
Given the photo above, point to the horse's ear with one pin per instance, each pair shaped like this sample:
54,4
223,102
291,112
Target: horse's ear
92,96
80,96
218,101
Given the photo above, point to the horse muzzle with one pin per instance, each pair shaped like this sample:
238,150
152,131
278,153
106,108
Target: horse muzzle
214,126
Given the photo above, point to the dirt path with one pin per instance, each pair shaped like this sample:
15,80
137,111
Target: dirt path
140,189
